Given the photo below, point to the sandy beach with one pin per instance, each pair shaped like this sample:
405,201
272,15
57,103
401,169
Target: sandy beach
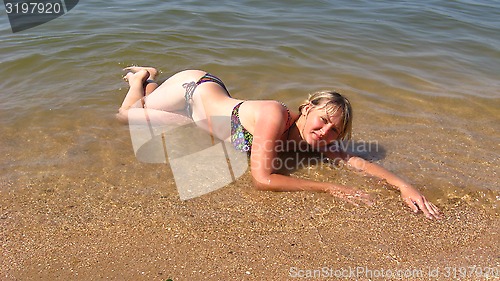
122,220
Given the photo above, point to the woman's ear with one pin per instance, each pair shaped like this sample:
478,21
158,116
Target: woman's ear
306,109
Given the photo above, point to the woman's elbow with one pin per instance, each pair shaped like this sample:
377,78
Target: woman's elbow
261,183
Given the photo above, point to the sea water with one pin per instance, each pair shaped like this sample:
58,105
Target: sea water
423,78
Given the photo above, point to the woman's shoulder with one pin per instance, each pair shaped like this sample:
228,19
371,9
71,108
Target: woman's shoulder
269,110
266,106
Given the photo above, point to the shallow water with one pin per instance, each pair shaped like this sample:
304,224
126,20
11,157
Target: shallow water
422,77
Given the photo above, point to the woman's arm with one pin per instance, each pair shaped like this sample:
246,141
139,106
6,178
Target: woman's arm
277,182
411,196
269,127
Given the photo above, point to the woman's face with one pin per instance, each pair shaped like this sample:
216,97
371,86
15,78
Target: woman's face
320,128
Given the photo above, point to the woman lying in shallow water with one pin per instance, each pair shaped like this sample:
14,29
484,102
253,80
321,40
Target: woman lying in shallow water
260,126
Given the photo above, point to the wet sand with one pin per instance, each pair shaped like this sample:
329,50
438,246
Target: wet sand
101,214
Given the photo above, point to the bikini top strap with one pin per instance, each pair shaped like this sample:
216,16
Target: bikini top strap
288,125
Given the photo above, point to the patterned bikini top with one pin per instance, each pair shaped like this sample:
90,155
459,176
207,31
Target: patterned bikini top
240,137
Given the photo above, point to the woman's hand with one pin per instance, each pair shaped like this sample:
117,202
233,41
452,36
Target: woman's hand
410,195
417,201
350,195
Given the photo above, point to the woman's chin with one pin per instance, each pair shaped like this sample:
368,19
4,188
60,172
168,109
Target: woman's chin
314,141
310,139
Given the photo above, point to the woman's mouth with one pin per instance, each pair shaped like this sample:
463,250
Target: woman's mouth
316,136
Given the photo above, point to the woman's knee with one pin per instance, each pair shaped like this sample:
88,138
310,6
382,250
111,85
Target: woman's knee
150,87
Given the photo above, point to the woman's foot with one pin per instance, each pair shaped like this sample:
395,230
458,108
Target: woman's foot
153,72
140,77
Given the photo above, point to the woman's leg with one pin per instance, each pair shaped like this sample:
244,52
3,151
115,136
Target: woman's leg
153,72
169,96
146,76
144,92
137,113
150,87
138,88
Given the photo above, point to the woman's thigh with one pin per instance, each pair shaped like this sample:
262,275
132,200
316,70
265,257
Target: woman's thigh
169,96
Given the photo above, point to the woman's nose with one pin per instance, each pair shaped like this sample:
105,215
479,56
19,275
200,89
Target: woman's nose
325,130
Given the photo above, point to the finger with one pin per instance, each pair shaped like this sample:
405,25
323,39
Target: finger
429,207
351,197
345,197
413,206
433,210
351,201
422,205
364,201
363,197
367,199
436,209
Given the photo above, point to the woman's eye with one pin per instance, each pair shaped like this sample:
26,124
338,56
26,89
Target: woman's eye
324,120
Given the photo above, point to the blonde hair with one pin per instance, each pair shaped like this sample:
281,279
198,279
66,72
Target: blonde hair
322,99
